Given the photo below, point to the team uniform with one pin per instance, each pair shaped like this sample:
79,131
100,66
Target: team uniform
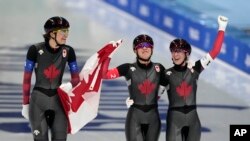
45,110
183,123
143,120
143,79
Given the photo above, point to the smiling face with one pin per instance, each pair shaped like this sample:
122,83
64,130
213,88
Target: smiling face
179,56
144,51
180,50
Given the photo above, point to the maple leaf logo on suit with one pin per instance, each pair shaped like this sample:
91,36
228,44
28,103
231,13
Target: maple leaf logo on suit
184,89
146,87
51,72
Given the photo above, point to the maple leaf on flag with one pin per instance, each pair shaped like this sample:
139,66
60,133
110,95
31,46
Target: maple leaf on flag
146,87
184,89
81,102
51,72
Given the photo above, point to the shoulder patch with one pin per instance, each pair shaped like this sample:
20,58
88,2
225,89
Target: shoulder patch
64,53
132,68
157,68
169,72
40,51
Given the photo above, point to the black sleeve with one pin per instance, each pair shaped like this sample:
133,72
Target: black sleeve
72,55
123,69
198,67
32,53
163,80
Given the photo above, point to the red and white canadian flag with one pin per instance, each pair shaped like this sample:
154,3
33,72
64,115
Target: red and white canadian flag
81,102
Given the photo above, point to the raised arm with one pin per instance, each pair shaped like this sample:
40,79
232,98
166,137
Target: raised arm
214,52
222,22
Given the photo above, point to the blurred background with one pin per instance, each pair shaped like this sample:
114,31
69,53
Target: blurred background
223,96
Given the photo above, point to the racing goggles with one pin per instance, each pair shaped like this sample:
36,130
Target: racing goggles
144,45
64,31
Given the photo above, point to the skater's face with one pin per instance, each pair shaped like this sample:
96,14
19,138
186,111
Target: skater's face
144,52
61,35
178,56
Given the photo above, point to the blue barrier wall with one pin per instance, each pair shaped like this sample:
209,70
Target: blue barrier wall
234,52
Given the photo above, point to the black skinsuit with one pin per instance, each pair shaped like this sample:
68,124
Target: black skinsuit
183,123
45,106
143,121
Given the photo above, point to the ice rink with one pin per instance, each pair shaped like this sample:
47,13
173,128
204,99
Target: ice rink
223,92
